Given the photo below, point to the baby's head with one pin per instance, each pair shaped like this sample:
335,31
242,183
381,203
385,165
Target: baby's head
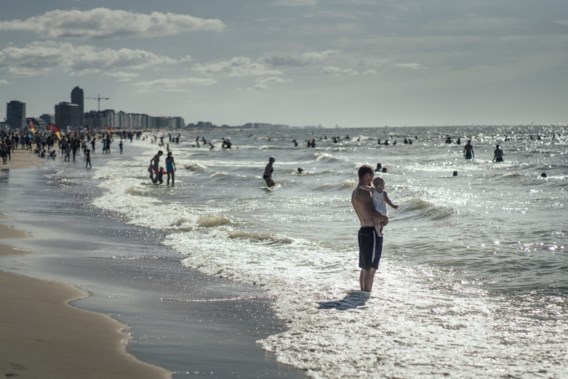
379,183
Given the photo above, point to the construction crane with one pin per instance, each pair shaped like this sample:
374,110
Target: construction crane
98,99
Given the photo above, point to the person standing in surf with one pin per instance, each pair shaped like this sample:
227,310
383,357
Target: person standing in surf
370,244
498,154
170,168
155,165
380,201
468,150
268,170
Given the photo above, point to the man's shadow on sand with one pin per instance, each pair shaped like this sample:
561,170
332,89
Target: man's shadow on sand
352,300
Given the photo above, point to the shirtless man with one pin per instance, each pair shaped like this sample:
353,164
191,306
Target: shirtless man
370,245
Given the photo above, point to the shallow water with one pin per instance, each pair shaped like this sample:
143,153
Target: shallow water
474,276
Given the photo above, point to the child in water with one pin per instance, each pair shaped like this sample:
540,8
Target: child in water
159,179
380,201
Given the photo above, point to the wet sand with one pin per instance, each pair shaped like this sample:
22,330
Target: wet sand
45,337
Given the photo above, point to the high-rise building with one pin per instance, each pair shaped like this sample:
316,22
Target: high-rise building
16,114
78,97
68,114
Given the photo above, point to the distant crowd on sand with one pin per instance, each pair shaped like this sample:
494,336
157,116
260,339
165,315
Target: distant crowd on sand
49,145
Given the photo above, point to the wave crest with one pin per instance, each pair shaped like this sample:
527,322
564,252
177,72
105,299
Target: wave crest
260,237
423,209
326,157
212,221
195,167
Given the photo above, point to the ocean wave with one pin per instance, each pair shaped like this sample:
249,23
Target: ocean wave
423,209
183,224
260,237
326,157
212,221
218,174
346,184
195,167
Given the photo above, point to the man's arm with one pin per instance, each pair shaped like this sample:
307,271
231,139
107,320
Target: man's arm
363,204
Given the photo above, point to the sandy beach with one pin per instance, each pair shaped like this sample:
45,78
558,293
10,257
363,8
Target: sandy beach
22,159
43,336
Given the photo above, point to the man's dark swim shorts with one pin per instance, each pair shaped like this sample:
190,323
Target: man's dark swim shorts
370,248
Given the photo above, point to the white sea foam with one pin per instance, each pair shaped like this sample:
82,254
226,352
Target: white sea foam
435,310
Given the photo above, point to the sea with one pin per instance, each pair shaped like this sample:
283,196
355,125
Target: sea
473,280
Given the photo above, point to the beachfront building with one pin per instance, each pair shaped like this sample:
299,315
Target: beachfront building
47,118
68,115
263,125
78,97
16,114
97,120
109,119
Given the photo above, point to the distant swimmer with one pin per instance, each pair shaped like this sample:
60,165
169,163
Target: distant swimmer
455,173
370,244
498,156
268,170
468,150
543,175
300,170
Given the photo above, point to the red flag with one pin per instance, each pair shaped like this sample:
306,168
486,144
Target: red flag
31,125
54,129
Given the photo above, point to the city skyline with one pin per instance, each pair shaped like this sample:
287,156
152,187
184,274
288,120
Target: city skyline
351,63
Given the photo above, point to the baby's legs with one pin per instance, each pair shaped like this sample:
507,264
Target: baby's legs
379,228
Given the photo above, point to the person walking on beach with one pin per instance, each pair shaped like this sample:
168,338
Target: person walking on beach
268,170
498,154
370,244
468,150
170,168
3,152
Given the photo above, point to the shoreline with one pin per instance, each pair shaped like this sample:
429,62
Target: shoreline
22,159
43,335
178,319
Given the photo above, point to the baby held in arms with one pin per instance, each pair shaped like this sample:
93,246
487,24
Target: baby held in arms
380,201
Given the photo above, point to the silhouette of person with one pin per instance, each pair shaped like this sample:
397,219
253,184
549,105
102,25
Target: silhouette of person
268,170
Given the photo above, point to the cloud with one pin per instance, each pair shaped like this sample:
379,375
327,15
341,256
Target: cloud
338,71
39,58
2,81
299,59
263,83
296,3
174,85
411,66
235,67
110,23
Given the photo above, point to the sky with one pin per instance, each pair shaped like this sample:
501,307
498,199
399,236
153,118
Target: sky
348,63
